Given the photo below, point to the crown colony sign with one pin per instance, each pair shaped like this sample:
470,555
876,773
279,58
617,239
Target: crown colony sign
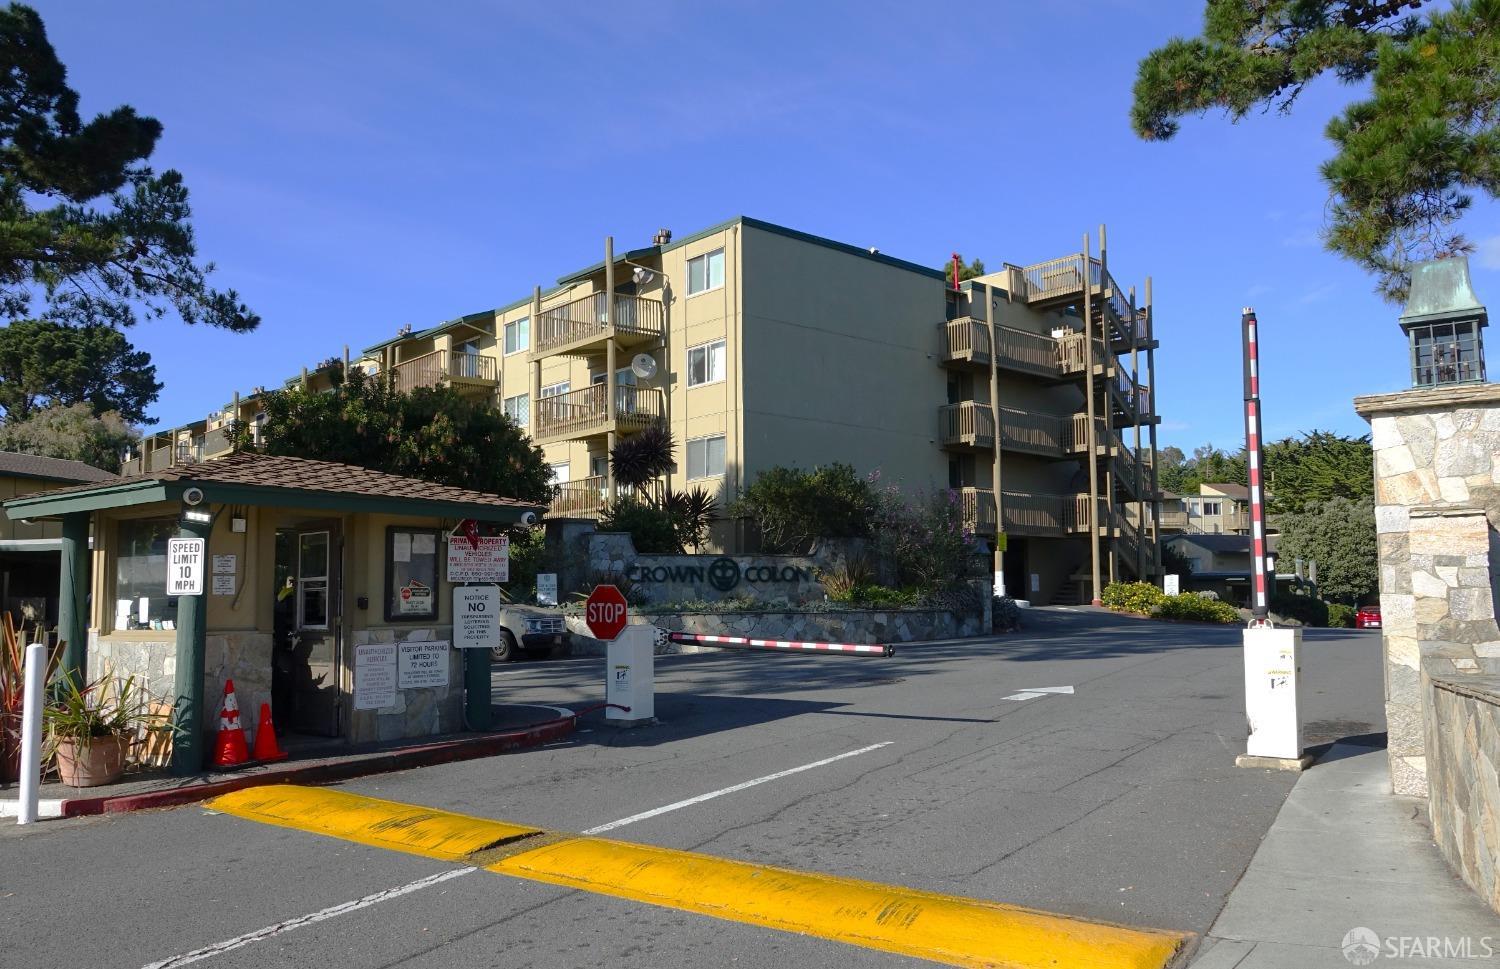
723,573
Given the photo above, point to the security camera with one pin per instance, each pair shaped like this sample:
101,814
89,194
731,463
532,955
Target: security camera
528,518
192,496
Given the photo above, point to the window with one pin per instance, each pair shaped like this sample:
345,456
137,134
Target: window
141,575
411,564
560,473
705,457
598,465
312,580
706,363
555,390
706,272
518,409
1211,509
517,336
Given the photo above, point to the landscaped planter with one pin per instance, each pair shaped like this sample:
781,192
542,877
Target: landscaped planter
102,761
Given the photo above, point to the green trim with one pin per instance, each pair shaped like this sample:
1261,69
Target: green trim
94,499
64,482
146,492
835,245
583,274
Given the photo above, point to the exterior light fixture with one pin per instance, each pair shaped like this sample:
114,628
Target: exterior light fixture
201,516
1444,324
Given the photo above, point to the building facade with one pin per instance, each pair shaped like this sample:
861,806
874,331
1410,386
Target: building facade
1026,390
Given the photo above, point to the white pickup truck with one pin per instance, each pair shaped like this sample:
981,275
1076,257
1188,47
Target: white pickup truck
537,630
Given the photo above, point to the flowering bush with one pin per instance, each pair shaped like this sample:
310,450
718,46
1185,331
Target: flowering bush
925,539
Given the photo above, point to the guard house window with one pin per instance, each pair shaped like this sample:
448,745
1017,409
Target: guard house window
706,272
705,457
312,580
517,335
706,364
518,409
141,575
411,570
1446,353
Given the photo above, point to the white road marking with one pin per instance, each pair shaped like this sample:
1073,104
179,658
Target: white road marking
1032,692
731,790
270,931
209,951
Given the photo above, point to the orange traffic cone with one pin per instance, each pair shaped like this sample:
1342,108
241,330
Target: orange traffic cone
266,747
229,749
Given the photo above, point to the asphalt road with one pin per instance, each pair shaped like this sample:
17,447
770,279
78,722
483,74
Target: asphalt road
1119,802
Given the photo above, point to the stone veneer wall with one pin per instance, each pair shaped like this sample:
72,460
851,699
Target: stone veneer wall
419,712
1437,507
1463,737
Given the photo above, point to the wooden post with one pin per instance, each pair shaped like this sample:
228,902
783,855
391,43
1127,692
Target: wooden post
609,364
1151,414
1092,435
989,319
187,706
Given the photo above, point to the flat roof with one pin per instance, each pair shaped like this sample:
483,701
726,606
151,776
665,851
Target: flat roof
264,479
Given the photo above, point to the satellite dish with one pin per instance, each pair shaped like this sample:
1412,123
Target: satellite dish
643,366
642,275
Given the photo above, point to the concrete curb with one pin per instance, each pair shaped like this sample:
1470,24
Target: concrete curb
469,748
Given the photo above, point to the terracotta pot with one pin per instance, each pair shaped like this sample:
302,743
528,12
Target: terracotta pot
101,762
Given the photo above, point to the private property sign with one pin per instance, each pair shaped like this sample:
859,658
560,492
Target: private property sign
489,561
605,612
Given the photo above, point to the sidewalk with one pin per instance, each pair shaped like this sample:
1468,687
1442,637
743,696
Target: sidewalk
515,726
1344,853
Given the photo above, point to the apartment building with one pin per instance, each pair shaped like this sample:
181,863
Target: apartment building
1217,509
1026,390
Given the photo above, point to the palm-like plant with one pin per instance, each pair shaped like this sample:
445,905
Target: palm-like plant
692,514
642,458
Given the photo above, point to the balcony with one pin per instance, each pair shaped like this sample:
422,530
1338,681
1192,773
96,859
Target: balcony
966,426
584,498
1173,521
978,510
460,370
1061,280
584,413
966,344
578,328
1049,435
1045,515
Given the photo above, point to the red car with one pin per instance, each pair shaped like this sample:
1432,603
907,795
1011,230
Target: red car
1368,617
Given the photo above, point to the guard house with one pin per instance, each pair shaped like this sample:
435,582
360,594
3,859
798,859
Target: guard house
309,567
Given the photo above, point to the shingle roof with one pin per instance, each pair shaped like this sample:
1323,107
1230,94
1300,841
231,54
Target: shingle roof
20,465
1236,491
304,474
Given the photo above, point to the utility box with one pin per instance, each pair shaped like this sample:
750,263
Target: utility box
1273,699
630,677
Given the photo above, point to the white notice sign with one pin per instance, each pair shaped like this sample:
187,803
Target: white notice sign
374,676
225,564
422,664
1170,584
185,566
490,562
224,585
546,588
476,616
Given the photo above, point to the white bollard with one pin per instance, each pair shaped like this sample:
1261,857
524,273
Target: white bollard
31,732
1273,699
630,672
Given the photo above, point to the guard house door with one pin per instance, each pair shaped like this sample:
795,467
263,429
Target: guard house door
318,556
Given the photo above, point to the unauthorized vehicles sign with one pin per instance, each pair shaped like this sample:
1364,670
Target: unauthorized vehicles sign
476,616
185,566
485,559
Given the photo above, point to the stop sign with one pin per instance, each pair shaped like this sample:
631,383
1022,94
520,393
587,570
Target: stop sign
605,612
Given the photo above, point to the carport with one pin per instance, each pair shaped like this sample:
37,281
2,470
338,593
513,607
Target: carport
313,572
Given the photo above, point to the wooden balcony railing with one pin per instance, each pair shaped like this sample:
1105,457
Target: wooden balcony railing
1034,431
583,412
432,369
1024,350
584,498
979,510
1043,514
966,424
583,320
966,340
1174,521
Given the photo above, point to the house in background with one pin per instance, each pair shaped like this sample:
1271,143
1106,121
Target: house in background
30,551
1219,509
1221,564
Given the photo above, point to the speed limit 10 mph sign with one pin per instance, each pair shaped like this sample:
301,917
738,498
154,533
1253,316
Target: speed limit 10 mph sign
185,566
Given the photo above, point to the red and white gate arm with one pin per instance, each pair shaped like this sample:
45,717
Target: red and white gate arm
1260,598
784,645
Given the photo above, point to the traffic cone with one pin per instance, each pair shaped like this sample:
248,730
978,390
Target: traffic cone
229,749
266,747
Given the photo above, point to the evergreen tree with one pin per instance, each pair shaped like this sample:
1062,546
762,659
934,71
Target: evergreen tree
1409,157
1340,535
43,363
1309,470
74,433
84,221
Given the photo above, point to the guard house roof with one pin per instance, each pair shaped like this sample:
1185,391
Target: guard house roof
264,479
18,465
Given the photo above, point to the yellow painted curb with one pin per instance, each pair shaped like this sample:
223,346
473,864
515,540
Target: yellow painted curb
370,821
942,928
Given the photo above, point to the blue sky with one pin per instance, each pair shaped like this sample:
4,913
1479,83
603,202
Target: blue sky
354,167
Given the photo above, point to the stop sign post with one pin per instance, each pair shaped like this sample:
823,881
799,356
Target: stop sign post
605,612
630,675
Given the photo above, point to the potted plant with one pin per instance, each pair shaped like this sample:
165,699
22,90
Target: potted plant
12,695
90,727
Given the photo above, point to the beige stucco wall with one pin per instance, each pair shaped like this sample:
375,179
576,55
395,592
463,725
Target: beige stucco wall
13,487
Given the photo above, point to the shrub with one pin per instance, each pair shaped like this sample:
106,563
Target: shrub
650,526
793,508
1340,615
1304,609
1191,606
925,539
879,595
528,547
1007,615
1137,597
841,581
